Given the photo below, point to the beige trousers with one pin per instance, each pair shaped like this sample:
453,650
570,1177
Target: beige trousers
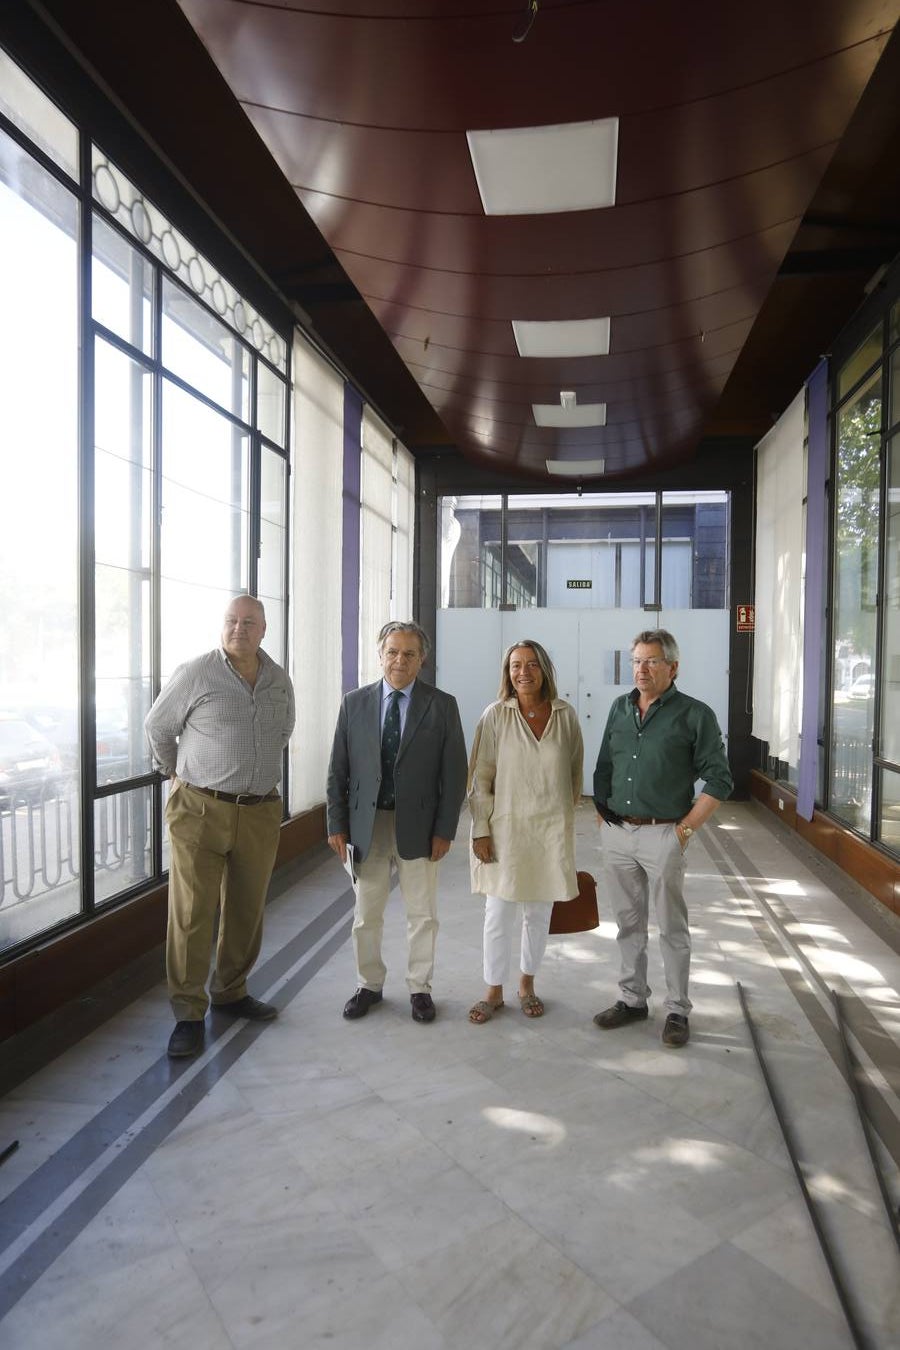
418,886
222,856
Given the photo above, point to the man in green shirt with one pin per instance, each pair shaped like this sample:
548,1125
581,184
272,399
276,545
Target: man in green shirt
658,742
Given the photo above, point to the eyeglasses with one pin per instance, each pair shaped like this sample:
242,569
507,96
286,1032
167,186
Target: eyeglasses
651,661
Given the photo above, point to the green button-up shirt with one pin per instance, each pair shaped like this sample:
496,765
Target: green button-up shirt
648,767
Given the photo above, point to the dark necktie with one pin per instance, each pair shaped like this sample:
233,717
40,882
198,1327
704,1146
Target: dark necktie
390,744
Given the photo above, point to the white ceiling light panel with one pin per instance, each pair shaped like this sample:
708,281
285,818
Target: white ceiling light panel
578,468
581,415
563,337
525,171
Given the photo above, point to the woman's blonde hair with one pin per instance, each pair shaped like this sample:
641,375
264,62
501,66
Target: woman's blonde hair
548,688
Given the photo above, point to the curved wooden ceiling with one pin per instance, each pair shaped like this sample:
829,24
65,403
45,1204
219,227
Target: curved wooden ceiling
728,117
757,190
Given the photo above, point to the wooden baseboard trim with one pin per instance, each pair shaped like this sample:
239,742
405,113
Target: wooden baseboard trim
875,871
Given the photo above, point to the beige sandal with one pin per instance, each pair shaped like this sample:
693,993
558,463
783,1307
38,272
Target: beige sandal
482,1011
531,1005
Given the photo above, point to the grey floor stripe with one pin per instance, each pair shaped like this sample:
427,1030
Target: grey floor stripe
33,1197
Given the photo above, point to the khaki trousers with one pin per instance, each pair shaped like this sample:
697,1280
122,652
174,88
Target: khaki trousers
418,886
221,857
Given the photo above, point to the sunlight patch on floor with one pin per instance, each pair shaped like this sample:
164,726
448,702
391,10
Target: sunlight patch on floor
783,886
542,1128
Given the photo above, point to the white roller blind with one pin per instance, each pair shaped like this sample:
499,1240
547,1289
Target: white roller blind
404,515
317,487
778,643
376,539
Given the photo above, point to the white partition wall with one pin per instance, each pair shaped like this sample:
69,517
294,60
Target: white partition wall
584,646
316,568
466,660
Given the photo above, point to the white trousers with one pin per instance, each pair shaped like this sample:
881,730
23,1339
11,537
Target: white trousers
499,925
418,886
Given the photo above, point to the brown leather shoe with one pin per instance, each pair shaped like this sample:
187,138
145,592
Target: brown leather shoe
676,1032
619,1015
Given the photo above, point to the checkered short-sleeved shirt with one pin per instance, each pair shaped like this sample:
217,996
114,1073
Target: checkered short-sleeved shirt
213,730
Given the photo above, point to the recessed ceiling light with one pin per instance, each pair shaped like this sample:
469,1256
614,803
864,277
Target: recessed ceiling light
578,468
541,170
562,337
581,415
567,398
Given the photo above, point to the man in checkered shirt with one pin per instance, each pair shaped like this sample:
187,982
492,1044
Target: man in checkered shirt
218,730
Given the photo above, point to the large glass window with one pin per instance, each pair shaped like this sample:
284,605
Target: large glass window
273,545
146,426
121,288
857,508
202,351
865,356
39,667
889,684
862,781
889,818
140,218
205,510
122,533
890,675
469,544
27,108
595,551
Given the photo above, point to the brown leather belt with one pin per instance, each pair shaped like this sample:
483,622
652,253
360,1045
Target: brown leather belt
648,820
235,798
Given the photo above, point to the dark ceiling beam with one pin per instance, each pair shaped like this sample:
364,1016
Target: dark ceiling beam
310,294
830,261
823,220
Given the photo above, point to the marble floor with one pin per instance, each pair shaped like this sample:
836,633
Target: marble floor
530,1184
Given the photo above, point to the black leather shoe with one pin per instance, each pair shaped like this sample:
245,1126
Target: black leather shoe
361,1002
676,1032
186,1040
249,1007
619,1015
423,1009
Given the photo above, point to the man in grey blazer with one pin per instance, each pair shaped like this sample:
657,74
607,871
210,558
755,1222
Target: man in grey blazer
396,783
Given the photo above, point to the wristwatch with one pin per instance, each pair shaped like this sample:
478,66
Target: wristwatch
685,830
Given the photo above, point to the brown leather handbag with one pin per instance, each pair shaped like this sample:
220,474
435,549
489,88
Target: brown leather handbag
580,914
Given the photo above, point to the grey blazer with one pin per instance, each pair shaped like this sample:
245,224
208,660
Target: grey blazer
429,774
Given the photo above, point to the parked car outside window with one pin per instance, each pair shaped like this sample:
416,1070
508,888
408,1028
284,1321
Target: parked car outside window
30,765
862,687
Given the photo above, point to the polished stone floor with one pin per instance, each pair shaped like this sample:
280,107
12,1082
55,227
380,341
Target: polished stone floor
530,1184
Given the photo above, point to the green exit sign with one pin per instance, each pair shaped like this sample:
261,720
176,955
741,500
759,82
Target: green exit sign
579,585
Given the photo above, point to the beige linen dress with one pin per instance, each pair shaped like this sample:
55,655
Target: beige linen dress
523,793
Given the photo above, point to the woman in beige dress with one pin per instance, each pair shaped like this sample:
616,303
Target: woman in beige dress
525,779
